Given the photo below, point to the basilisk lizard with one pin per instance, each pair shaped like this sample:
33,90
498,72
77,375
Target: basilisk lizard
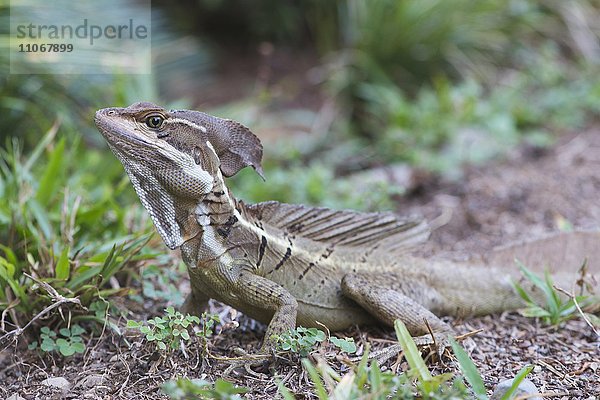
284,264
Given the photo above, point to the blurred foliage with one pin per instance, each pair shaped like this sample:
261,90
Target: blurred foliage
240,22
313,183
447,125
404,47
161,284
31,104
441,128
409,42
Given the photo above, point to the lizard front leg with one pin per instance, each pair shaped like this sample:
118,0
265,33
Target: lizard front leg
261,293
195,303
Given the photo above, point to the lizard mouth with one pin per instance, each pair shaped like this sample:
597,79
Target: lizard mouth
115,127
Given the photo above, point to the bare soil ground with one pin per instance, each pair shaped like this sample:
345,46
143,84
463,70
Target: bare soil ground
532,192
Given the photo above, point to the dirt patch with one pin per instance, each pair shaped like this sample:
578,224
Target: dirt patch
532,193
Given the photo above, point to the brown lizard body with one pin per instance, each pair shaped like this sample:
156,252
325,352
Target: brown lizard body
283,264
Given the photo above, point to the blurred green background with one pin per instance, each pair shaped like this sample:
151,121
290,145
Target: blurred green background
334,88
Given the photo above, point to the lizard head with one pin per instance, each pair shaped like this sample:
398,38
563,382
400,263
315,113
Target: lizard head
175,158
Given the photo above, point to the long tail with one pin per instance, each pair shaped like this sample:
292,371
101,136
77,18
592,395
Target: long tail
485,284
562,254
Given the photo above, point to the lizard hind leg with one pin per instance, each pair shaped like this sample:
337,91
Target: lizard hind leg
387,299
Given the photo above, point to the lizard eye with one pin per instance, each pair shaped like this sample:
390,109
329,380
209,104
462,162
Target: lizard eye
154,121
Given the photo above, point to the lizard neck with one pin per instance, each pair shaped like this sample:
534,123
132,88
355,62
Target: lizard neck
215,216
217,207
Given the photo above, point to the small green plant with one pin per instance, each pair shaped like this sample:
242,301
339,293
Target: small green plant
184,388
171,329
208,322
99,309
556,309
67,342
346,345
367,380
302,340
160,284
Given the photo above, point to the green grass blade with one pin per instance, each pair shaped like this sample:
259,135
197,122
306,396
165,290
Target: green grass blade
126,252
554,296
316,379
376,381
522,293
37,151
469,369
517,381
412,354
361,369
542,285
41,216
7,272
285,393
49,181
101,321
569,308
79,278
10,254
63,267
110,259
535,312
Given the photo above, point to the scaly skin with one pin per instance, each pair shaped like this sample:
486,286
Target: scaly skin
282,264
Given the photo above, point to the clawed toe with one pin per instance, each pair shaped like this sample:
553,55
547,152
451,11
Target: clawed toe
236,366
248,361
440,342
